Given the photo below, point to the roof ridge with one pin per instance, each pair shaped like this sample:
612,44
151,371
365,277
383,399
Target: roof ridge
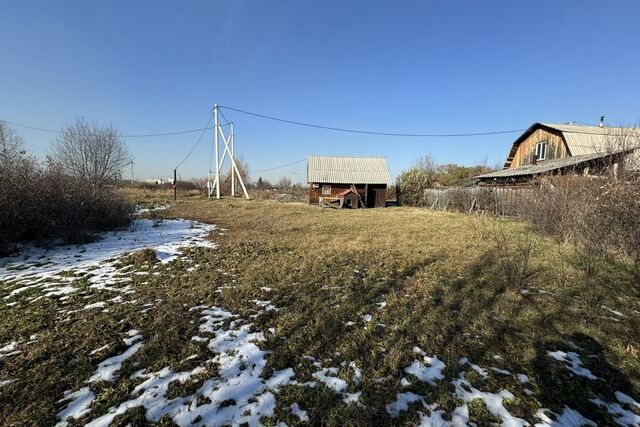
346,157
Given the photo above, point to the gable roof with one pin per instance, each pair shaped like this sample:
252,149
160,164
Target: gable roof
580,139
348,170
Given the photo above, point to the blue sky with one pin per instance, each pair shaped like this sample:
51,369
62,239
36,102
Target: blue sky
417,67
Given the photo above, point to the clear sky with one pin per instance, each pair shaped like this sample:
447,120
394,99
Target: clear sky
417,67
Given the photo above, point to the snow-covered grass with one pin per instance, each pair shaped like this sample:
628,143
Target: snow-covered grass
297,315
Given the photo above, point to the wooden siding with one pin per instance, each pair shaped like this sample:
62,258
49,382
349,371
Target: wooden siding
526,152
316,193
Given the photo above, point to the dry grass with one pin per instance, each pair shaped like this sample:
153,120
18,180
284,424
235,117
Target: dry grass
440,274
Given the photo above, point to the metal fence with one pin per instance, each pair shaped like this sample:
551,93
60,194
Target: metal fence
506,201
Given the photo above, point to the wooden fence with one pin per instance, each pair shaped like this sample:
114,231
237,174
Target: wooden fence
505,201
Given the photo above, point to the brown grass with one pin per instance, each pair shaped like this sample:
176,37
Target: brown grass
440,274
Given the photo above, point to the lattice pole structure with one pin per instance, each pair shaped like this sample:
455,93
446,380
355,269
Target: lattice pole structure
229,149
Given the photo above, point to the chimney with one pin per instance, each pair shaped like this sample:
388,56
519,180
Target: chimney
601,121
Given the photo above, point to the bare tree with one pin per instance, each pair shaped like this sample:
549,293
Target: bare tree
91,153
11,145
284,182
243,169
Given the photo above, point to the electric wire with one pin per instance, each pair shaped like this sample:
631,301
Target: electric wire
139,135
196,144
368,132
278,167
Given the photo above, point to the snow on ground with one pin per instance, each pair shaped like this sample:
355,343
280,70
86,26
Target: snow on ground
234,394
621,415
568,418
42,269
80,401
430,373
573,363
300,413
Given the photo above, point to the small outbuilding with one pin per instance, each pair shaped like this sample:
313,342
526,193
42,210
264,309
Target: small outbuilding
348,181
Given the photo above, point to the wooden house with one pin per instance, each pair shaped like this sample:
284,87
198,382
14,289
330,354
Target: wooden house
347,181
558,149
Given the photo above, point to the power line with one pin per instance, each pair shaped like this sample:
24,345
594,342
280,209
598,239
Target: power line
278,167
225,119
196,144
140,135
367,132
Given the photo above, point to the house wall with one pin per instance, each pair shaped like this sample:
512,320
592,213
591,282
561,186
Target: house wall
526,153
316,193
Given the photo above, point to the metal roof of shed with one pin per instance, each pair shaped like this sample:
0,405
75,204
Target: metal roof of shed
347,170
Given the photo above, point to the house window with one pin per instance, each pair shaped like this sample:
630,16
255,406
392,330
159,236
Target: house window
326,190
316,185
541,150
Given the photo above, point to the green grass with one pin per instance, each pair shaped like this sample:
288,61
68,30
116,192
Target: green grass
442,278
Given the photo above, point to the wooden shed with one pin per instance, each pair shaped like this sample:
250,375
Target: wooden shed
359,180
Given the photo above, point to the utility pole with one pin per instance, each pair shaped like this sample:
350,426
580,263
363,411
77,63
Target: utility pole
233,177
175,184
216,127
229,149
132,172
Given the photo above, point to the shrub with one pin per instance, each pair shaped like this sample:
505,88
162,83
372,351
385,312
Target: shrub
513,250
411,186
597,216
41,202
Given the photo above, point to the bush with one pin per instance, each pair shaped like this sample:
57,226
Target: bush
597,216
41,202
411,186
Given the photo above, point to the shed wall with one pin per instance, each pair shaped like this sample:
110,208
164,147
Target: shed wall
526,152
316,193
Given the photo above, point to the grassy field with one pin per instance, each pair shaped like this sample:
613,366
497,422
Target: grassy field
374,317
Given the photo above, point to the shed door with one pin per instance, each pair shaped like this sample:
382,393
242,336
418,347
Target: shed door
381,196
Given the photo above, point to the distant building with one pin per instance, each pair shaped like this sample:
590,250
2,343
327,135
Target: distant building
348,181
559,149
157,181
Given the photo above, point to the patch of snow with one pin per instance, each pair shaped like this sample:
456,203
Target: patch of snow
302,415
367,318
100,304
429,374
338,385
402,402
235,394
98,350
573,363
80,402
357,373
435,419
523,378
624,398
41,268
622,416
493,401
568,418
9,347
501,371
106,369
351,397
